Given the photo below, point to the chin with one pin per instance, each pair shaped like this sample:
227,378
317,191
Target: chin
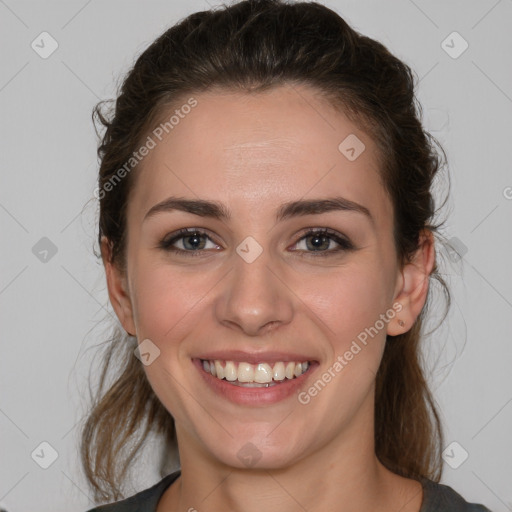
257,452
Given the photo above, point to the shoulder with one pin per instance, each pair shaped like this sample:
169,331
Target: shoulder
442,498
144,501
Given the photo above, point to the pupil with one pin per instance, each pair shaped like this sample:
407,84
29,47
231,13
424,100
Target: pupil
318,241
196,240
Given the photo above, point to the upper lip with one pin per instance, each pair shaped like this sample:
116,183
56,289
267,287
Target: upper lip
254,357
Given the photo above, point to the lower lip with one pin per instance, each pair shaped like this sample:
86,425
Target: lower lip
255,396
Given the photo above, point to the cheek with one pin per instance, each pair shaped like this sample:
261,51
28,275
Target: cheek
168,310
166,301
349,301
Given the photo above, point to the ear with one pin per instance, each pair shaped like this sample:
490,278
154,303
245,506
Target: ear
117,289
412,285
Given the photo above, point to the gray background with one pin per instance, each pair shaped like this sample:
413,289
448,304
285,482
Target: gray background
53,306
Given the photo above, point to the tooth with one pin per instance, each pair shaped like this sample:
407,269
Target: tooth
219,370
290,368
230,371
263,373
245,372
253,384
278,371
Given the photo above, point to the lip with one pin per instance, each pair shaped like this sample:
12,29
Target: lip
255,396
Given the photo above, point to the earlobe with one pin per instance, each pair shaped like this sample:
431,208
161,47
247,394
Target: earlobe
413,285
117,289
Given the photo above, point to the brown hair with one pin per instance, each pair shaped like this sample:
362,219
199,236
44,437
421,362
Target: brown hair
251,46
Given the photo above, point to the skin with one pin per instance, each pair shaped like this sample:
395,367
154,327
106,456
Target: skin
253,153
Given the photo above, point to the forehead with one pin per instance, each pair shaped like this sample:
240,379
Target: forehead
258,150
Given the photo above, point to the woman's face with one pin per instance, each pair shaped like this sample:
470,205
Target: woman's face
256,286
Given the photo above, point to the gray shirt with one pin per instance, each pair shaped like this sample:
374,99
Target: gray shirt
436,498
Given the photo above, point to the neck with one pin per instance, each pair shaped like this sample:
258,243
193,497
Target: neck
343,475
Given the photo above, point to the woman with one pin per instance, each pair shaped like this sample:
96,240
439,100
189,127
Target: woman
267,230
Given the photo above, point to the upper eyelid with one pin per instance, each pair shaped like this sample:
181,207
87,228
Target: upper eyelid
181,233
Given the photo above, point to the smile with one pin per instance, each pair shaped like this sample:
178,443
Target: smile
254,375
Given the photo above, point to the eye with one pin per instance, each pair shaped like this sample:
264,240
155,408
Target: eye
315,242
320,242
188,240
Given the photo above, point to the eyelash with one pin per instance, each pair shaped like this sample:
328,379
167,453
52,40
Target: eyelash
166,244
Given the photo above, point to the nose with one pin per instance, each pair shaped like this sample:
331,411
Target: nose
255,299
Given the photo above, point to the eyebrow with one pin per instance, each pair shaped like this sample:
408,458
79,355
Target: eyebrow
216,210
